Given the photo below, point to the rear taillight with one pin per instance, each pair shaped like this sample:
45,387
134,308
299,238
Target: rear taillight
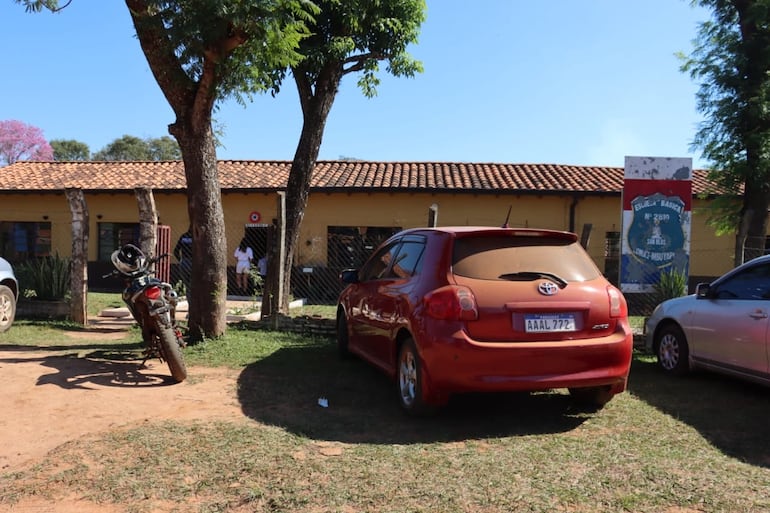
618,307
152,292
451,303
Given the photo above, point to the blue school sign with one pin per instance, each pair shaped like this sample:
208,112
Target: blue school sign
656,236
657,200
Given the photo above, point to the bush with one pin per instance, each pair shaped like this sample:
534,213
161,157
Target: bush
672,284
46,278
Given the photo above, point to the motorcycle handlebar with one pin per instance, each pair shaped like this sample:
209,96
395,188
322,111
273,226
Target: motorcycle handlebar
149,262
157,258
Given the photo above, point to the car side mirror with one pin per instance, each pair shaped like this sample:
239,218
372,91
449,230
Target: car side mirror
703,290
349,276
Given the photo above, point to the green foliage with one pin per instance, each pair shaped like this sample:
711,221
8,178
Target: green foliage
673,283
163,148
131,148
256,279
731,57
236,47
125,148
70,150
46,278
353,36
722,213
39,5
180,288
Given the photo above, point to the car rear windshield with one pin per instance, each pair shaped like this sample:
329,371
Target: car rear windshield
520,257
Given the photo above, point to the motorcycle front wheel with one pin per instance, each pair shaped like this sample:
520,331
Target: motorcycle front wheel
172,353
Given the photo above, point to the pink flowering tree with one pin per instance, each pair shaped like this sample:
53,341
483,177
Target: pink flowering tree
19,141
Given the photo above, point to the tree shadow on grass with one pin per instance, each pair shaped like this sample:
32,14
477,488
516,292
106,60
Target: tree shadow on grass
284,390
731,414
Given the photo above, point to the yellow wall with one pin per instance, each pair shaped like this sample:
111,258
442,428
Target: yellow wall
410,210
710,255
237,208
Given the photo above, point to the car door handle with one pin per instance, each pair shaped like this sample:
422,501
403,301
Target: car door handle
758,314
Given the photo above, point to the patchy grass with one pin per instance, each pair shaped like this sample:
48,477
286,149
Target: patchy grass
98,301
52,335
688,445
637,322
325,311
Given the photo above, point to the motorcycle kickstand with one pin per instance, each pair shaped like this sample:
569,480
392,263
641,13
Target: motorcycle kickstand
146,357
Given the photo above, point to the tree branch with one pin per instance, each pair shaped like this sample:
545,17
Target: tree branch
159,52
359,61
222,48
304,89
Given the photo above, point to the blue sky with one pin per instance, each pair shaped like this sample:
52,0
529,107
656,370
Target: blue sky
579,82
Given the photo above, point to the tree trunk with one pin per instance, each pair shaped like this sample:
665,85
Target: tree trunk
316,105
193,101
148,221
755,126
79,261
208,287
269,287
756,200
273,291
740,237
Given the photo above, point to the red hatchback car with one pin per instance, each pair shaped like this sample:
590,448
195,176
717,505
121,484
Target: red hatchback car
477,309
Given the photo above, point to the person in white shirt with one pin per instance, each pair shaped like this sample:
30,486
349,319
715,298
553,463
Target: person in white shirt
243,257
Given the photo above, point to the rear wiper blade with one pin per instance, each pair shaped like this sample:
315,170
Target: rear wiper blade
533,275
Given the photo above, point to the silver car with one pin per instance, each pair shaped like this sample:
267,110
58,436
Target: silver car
723,327
9,293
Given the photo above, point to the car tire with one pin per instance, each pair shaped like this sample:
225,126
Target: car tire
672,351
7,308
409,381
342,335
591,398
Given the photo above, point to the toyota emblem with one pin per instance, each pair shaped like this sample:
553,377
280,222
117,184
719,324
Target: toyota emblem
547,288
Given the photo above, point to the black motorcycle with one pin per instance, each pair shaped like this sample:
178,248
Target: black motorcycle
152,303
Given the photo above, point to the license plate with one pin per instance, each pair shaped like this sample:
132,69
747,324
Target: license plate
549,323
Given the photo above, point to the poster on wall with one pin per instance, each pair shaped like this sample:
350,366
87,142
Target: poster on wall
657,206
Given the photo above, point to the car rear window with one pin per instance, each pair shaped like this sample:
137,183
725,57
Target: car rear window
502,257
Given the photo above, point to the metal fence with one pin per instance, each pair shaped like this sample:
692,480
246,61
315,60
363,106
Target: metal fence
345,247
348,248
316,283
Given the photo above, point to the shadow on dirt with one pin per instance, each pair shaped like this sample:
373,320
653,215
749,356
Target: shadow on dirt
90,365
731,414
284,390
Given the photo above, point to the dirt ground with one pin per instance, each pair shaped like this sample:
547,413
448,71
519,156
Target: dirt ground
48,399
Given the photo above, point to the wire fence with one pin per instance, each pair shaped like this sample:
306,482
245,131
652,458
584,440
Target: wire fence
348,248
316,280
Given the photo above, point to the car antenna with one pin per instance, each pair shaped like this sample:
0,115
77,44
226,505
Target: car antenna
505,224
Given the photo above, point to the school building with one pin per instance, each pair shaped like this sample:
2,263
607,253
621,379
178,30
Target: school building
353,205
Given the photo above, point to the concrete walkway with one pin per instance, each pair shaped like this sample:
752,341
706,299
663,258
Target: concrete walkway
239,308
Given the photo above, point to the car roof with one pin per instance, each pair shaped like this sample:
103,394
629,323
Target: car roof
757,260
461,231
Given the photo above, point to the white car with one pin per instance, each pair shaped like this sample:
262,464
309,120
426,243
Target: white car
9,293
723,327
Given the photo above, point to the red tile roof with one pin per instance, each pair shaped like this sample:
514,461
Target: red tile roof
328,175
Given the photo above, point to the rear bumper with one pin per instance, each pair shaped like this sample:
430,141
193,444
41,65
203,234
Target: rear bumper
455,363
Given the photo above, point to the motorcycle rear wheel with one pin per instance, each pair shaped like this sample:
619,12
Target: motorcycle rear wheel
172,353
